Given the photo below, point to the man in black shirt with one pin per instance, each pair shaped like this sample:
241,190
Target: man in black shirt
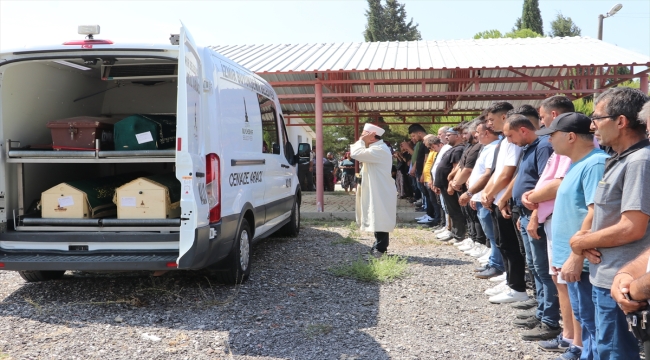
467,163
449,160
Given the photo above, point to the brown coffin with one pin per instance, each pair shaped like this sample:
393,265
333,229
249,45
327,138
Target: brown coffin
80,133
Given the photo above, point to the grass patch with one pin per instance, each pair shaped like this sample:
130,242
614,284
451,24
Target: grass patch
4,356
344,241
384,269
314,330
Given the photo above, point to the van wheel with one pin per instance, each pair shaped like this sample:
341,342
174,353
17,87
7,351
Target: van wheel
238,262
292,228
36,276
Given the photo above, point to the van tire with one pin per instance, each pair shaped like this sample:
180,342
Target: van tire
36,276
292,228
238,262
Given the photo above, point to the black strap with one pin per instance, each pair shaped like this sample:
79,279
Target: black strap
496,155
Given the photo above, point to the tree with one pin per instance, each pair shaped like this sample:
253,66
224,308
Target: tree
517,25
489,34
523,33
564,26
531,17
388,23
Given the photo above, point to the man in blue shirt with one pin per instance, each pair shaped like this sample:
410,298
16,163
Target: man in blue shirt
573,211
535,153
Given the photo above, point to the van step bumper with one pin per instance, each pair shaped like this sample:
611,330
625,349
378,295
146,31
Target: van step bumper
100,262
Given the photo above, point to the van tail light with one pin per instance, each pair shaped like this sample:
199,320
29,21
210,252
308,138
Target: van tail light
2,265
213,186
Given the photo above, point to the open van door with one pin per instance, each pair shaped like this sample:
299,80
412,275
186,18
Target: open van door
190,160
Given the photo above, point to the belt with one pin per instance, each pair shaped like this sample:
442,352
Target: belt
521,210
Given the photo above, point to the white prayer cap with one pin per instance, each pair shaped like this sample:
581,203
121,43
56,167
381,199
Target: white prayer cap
373,128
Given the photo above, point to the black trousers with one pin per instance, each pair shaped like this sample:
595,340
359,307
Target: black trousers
474,227
381,241
506,238
458,222
516,213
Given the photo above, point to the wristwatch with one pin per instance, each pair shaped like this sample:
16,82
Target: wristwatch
469,193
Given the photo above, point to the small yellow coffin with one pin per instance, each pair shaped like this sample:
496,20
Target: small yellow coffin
149,198
65,202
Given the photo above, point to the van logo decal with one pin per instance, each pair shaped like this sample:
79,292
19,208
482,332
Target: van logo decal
245,112
246,131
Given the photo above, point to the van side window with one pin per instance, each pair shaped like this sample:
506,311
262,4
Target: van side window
270,142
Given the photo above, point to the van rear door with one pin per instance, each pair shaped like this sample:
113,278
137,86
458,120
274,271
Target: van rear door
190,157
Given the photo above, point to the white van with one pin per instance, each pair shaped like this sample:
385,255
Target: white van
236,167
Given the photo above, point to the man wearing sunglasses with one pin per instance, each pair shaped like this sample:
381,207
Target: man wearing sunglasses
619,231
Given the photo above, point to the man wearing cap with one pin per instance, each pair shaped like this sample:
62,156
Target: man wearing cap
620,228
376,205
573,211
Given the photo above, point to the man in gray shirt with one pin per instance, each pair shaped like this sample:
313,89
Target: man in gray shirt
619,231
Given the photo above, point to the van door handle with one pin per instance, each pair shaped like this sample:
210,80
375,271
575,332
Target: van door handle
284,166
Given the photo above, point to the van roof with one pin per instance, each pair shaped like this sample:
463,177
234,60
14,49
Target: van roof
27,51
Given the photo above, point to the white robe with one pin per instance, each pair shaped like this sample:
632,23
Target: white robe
376,202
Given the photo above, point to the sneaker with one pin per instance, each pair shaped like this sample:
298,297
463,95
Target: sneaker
468,246
464,242
441,230
526,314
489,273
481,268
486,256
421,217
436,228
427,219
530,303
556,344
498,289
500,278
541,332
508,297
484,262
447,238
529,323
443,234
478,251
418,202
481,254
572,353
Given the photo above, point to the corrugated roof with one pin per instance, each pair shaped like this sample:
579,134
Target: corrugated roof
426,55
437,77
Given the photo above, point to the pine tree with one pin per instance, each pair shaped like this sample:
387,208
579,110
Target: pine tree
388,23
531,17
564,26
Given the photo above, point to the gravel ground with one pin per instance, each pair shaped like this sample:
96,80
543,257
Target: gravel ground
291,308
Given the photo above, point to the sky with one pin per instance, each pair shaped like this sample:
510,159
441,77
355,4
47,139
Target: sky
299,21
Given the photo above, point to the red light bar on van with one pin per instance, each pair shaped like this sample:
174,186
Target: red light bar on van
2,265
172,265
88,42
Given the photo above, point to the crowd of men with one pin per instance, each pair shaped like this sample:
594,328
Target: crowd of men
551,200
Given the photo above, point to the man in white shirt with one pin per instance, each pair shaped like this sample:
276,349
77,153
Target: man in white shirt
476,183
507,157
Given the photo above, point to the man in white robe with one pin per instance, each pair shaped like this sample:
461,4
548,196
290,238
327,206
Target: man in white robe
376,203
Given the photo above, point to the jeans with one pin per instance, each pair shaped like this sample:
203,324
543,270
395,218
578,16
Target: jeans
614,341
580,294
458,223
381,242
443,214
417,195
434,209
505,235
496,261
548,304
425,195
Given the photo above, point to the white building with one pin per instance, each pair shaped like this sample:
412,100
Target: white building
300,134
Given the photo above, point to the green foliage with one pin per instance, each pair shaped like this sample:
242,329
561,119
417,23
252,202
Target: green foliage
389,23
531,17
523,33
496,34
563,26
384,269
489,34
517,25
585,106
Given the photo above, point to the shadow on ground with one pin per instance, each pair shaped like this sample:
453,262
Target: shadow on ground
292,306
